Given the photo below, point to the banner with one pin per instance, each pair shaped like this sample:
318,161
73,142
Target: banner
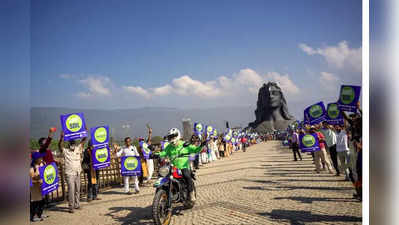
315,113
309,142
145,149
101,157
334,115
198,128
99,135
130,166
74,126
49,175
348,97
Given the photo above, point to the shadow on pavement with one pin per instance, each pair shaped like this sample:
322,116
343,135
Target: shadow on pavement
306,217
311,199
58,209
298,187
304,180
136,215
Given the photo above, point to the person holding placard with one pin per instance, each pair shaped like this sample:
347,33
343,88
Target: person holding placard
147,151
295,145
343,150
129,150
72,159
92,175
36,198
321,155
331,141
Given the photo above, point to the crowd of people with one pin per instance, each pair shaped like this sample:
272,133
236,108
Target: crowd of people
340,148
77,159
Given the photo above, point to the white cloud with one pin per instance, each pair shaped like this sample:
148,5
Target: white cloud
284,81
329,81
137,90
307,49
328,77
339,56
97,86
164,90
186,86
246,81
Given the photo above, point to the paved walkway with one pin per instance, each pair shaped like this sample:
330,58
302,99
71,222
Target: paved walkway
260,186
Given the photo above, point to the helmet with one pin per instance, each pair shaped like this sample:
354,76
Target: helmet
173,135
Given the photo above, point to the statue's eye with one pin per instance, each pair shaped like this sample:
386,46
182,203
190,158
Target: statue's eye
274,92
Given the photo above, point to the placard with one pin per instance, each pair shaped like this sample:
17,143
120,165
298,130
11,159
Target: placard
164,144
130,166
74,126
348,97
315,113
101,157
146,151
49,175
334,115
99,135
309,142
198,128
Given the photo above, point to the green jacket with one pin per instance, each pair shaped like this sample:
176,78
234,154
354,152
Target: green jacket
181,162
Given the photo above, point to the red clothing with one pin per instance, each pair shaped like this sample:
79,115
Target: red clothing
48,155
243,140
321,143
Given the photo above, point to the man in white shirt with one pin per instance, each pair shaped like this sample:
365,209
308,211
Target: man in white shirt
331,141
343,150
129,150
72,166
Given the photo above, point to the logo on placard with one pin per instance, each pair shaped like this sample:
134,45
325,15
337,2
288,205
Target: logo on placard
316,111
347,95
131,163
74,123
333,111
100,134
209,129
227,137
145,148
215,133
233,140
198,127
308,140
49,174
102,154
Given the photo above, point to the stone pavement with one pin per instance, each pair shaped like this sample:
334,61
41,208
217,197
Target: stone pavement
261,186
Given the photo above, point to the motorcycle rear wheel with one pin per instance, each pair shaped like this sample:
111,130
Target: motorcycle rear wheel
159,208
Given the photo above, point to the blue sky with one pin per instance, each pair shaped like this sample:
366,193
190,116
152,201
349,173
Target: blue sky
127,54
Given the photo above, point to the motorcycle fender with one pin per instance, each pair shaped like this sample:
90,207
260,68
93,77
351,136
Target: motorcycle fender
161,182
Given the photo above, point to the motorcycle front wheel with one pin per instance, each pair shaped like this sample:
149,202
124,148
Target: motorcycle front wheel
160,212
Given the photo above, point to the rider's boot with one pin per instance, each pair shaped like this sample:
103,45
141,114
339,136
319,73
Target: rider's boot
192,196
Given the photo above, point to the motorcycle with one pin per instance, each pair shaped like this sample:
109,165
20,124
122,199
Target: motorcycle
171,188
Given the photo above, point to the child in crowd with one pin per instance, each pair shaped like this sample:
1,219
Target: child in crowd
36,198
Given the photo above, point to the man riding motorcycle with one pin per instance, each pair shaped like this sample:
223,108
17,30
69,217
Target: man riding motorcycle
178,147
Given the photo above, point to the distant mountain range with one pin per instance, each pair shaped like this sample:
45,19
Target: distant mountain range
160,119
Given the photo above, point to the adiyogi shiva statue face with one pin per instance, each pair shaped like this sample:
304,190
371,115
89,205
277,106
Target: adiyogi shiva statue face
272,110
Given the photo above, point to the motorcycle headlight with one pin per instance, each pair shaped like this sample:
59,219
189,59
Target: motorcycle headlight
164,171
